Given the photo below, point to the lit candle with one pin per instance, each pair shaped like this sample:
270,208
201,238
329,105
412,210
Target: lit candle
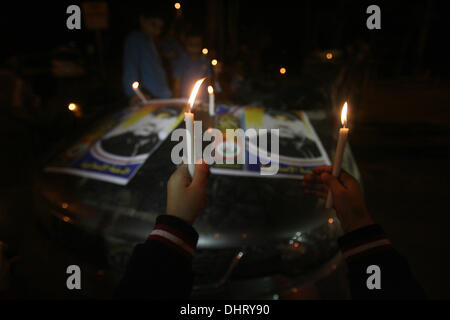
212,108
337,163
73,107
189,119
138,92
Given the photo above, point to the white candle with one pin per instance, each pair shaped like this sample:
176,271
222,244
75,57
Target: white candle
212,108
338,156
189,120
138,92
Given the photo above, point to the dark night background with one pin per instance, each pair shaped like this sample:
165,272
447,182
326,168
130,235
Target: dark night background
397,80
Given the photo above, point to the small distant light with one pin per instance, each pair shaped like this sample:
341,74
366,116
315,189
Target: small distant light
205,51
295,290
298,234
276,297
216,235
244,236
72,107
135,85
64,205
329,56
239,255
283,70
177,6
66,219
291,241
214,62
330,221
296,245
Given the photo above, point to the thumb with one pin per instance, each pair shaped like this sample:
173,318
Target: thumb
331,181
201,175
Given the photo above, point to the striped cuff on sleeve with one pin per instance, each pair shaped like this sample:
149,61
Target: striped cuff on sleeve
363,241
175,233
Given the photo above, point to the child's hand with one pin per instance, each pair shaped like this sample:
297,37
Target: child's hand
347,197
186,196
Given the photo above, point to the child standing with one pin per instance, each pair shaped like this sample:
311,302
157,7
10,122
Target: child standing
190,66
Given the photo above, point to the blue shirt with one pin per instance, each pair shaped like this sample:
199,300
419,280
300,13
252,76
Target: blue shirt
141,62
190,70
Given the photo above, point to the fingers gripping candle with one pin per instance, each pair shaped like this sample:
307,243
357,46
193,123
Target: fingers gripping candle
189,120
138,92
338,156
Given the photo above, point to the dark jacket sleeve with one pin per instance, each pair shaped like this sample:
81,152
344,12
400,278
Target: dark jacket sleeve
161,267
369,246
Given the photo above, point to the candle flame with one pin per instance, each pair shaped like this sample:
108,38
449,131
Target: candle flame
135,85
72,107
210,90
194,93
344,115
205,51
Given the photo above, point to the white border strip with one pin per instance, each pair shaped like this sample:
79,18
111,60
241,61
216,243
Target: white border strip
241,173
174,239
365,247
87,174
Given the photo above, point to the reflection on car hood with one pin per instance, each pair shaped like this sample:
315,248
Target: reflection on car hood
239,209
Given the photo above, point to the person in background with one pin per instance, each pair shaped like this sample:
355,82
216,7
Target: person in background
171,47
141,59
161,267
191,65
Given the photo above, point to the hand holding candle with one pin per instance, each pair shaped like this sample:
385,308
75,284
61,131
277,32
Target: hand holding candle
338,156
139,92
212,107
189,120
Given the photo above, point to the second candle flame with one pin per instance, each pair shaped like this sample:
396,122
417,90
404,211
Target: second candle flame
194,94
344,115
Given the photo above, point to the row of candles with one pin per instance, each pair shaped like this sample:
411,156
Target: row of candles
189,121
212,104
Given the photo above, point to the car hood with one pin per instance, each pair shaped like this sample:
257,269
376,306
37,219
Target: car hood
239,209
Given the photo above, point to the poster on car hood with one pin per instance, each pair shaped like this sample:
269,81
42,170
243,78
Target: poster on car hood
116,150
300,149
